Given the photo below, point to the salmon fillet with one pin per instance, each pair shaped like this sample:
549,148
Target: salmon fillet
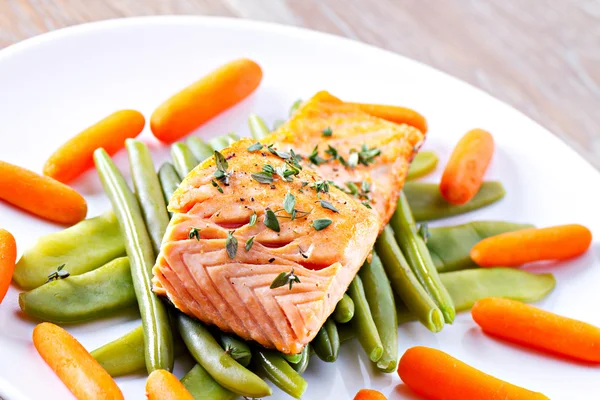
382,150
202,275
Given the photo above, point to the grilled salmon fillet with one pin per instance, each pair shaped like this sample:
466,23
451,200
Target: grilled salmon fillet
365,155
236,200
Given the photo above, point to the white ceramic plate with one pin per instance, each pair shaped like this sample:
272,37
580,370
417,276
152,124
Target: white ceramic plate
54,85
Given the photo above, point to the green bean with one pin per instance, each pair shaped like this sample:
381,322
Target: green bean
148,191
236,348
258,128
234,137
84,297
405,283
302,364
155,320
183,159
450,246
413,247
274,367
346,333
363,323
380,297
327,342
124,355
278,123
201,149
219,143
169,181
219,364
295,106
203,387
423,163
344,310
292,358
427,203
81,248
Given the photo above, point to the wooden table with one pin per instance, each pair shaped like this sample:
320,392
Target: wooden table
541,56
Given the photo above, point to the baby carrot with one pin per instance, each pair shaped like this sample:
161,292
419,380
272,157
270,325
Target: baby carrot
8,258
399,115
436,375
204,99
76,155
528,245
78,370
368,394
465,170
163,385
41,195
533,327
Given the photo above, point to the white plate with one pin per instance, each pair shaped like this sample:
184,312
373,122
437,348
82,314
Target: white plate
53,86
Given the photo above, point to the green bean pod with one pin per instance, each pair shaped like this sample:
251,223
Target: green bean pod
346,332
84,297
302,364
148,191
363,322
327,342
203,387
380,297
236,348
233,137
201,149
278,123
427,203
344,310
295,106
169,181
292,358
183,159
413,247
124,355
218,363
81,248
258,128
274,367
155,320
405,283
220,142
423,163
450,246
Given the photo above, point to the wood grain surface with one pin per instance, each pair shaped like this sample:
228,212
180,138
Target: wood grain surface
540,56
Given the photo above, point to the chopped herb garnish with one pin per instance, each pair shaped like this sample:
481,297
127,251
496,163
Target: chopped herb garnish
332,151
286,172
302,253
58,274
314,157
352,187
255,147
271,221
295,159
253,219
320,224
268,169
215,184
249,243
289,202
263,177
321,186
281,154
328,205
366,204
423,231
231,245
194,233
327,132
367,156
365,187
353,159
221,172
304,183
285,278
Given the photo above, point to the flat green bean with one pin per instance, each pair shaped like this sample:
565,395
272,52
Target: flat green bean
274,367
344,310
327,342
201,149
296,105
427,203
183,159
423,163
302,364
236,347
405,283
169,181
257,126
220,142
233,136
380,297
203,387
155,320
81,248
363,323
148,191
278,123
450,246
417,255
292,358
218,363
346,333
124,355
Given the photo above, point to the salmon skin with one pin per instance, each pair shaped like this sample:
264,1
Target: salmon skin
264,212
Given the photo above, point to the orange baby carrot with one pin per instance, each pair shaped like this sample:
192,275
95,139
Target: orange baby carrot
397,114
8,258
368,394
533,327
78,370
41,195
465,170
528,245
204,99
76,155
163,385
436,375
